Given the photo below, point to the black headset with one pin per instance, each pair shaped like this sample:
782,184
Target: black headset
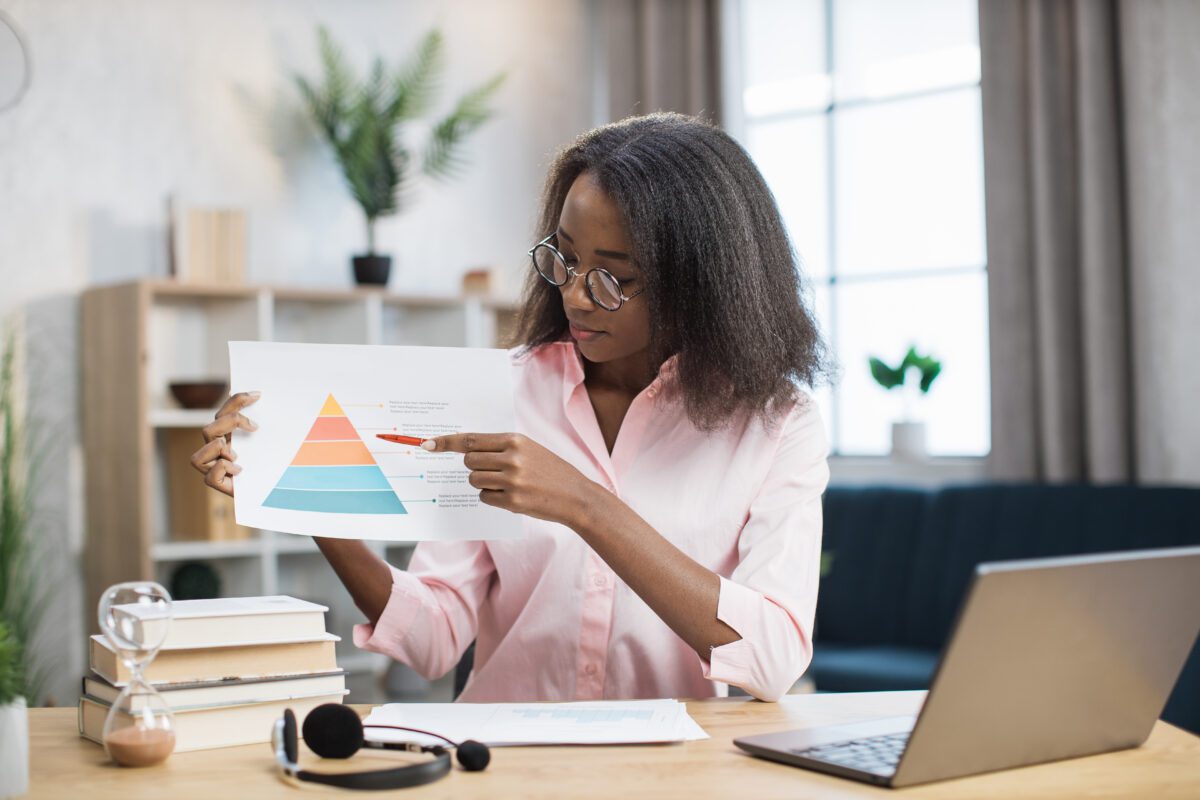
335,731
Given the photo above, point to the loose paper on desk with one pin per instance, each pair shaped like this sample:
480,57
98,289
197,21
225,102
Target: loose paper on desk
501,724
315,466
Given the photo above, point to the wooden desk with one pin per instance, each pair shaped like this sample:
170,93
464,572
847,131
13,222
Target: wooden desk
1167,766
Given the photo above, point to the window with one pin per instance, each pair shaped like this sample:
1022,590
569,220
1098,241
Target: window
864,117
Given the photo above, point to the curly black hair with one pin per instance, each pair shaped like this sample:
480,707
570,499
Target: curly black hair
723,281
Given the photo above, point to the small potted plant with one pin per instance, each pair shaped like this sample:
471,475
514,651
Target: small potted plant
914,376
14,718
362,120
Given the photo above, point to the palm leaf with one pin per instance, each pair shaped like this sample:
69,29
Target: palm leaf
327,104
369,158
372,92
415,85
442,157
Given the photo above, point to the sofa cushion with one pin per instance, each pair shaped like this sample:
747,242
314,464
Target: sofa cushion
902,560
997,522
857,668
869,538
1183,706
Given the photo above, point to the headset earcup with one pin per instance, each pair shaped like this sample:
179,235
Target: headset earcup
333,730
290,747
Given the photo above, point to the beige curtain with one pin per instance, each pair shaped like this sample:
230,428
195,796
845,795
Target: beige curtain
1091,112
1057,260
1160,65
658,55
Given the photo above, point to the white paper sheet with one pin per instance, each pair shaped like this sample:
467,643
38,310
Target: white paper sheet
510,724
315,466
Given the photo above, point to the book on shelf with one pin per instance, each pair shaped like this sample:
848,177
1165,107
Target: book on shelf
230,691
217,661
208,244
209,727
197,513
223,621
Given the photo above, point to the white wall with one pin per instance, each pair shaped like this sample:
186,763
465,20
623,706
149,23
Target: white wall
132,100
135,99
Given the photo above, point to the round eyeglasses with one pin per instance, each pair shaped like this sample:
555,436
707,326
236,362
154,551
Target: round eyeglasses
604,289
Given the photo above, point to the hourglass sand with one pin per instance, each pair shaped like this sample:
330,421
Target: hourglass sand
140,728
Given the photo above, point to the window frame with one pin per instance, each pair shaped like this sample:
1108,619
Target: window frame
735,121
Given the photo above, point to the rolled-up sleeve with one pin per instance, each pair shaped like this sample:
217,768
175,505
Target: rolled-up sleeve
770,598
432,614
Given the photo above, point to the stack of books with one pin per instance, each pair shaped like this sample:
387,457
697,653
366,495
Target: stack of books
227,669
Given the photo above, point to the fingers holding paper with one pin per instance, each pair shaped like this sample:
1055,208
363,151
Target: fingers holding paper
516,473
229,417
220,475
215,460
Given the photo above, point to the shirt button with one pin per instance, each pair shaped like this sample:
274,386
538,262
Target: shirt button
600,580
590,669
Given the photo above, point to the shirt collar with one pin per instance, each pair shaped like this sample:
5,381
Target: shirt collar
573,373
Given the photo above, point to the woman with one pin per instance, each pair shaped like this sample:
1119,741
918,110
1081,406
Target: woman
669,470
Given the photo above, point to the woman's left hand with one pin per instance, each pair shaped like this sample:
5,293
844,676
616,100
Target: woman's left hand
514,472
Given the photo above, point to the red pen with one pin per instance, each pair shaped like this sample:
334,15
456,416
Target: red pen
392,437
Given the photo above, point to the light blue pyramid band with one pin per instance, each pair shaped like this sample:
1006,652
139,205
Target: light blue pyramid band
363,477
336,502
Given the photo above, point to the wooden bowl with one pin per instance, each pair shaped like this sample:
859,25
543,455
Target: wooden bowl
198,394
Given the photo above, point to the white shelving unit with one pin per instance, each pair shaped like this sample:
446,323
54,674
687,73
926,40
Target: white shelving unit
139,337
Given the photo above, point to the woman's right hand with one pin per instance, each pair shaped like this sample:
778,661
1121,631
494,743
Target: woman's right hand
216,458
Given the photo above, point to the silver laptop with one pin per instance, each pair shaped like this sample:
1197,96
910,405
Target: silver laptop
1050,659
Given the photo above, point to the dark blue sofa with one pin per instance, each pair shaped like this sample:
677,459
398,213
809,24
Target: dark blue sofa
900,561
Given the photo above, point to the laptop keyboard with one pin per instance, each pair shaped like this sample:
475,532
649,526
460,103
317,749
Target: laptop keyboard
877,754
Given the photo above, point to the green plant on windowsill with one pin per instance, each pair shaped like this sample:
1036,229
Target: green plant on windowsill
924,369
362,121
914,376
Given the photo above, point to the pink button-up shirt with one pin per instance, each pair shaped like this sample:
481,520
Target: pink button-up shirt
552,621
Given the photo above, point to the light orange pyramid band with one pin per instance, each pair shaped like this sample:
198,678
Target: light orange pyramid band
332,454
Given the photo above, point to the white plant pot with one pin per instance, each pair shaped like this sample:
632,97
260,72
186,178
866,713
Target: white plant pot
14,749
908,441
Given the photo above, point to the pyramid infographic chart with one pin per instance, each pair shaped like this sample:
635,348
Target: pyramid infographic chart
333,472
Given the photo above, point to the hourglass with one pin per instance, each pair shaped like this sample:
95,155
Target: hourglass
140,728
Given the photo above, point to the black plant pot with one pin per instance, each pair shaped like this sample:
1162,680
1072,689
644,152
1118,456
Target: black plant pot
372,270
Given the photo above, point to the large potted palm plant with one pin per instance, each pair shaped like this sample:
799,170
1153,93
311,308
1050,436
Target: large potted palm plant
361,119
14,717
20,600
